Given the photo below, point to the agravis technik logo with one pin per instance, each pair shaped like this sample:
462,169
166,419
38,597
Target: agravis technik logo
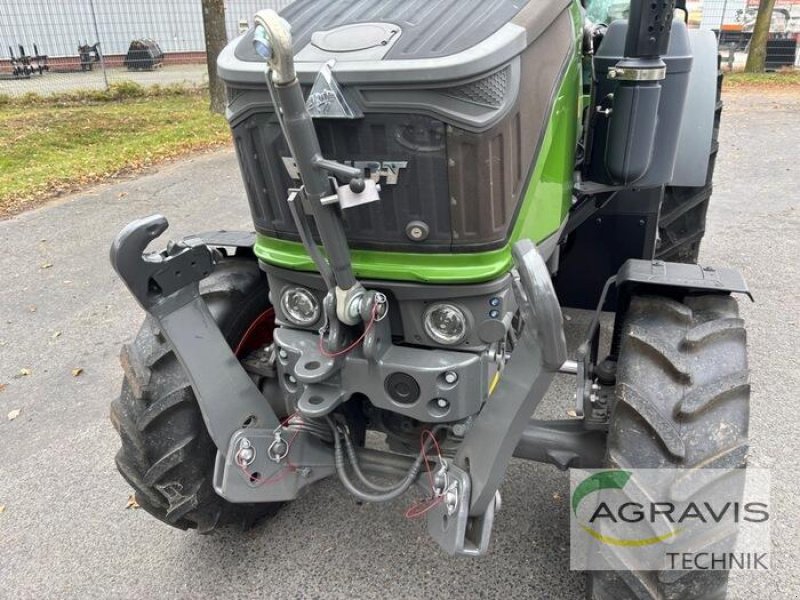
655,519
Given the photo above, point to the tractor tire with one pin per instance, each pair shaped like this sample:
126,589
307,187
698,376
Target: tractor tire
682,401
167,455
682,223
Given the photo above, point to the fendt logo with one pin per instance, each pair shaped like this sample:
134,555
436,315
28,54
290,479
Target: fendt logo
388,170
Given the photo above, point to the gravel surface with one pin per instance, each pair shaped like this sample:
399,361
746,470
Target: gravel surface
65,531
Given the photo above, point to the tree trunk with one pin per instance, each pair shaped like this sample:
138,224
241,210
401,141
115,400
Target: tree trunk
758,43
216,38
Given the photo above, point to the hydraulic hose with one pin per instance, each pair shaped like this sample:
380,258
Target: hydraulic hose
344,477
304,230
351,454
312,427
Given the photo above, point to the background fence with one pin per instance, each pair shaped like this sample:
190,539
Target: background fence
54,46
84,43
733,21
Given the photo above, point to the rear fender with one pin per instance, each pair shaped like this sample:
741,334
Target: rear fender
697,124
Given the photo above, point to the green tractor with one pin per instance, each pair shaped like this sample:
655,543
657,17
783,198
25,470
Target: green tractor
430,182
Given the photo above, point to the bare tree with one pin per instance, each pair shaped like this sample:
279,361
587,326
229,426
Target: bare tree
216,38
758,43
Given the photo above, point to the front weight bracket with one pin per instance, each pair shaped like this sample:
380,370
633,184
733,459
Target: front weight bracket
155,276
166,285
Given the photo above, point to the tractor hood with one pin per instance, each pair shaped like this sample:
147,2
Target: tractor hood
399,41
447,101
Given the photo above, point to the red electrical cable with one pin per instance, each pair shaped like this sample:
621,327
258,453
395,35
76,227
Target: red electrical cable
290,417
418,509
425,454
250,339
373,319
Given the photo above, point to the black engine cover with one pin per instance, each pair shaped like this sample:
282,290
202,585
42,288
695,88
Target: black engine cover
411,151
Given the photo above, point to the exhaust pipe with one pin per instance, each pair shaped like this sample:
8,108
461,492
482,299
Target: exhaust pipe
632,127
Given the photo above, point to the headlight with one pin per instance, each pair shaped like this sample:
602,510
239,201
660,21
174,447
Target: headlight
300,306
446,324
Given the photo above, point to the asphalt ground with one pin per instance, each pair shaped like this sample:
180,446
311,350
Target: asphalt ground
65,531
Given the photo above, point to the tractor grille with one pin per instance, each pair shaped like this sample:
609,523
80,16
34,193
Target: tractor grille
489,91
418,193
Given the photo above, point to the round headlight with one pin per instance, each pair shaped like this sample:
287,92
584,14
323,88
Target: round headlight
300,306
446,324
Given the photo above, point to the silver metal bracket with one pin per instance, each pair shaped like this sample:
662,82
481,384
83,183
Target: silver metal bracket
346,198
462,522
266,477
450,523
322,383
637,74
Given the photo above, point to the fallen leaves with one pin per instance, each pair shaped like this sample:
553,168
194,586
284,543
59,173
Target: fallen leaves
3,386
24,372
56,335
2,508
77,371
46,265
132,503
14,414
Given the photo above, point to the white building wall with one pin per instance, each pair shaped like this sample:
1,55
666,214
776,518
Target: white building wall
57,26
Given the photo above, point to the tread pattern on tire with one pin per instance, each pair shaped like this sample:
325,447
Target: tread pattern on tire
682,402
167,455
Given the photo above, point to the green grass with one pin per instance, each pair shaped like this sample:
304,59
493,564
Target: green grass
780,79
51,146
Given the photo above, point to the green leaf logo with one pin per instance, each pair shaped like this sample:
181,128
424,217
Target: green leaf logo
611,480
604,480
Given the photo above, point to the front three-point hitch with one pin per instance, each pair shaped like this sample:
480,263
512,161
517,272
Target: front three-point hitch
262,458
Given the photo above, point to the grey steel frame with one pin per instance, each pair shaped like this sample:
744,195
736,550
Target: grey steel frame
166,285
